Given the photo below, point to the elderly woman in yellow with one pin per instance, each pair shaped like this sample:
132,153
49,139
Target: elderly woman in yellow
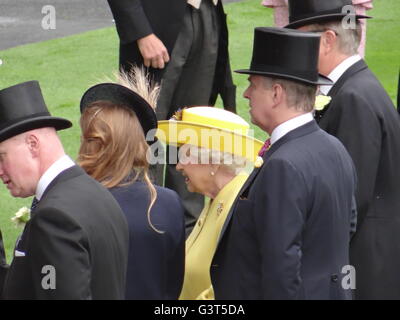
215,153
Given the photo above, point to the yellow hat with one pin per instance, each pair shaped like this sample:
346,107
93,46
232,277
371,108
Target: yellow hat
210,128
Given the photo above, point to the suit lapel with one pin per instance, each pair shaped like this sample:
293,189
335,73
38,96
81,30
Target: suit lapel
63,176
69,173
355,68
296,133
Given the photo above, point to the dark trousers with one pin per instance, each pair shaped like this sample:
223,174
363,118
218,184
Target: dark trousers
188,81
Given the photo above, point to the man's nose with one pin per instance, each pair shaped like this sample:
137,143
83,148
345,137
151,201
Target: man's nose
245,94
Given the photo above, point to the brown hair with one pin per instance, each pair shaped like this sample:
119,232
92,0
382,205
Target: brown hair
300,96
113,148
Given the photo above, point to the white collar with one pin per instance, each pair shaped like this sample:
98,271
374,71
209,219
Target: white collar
338,72
290,125
51,173
196,3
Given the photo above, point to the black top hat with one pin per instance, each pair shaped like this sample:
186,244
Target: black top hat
303,12
22,108
288,54
122,95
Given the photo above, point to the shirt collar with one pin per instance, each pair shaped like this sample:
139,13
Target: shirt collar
51,173
338,72
290,125
196,3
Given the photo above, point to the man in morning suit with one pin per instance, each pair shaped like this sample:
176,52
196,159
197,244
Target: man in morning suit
75,245
185,44
362,116
288,234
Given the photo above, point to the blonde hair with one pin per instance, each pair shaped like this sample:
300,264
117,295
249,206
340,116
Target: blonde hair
113,148
233,163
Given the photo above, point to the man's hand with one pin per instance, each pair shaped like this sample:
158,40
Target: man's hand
153,51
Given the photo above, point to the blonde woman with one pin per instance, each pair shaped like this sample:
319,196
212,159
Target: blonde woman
115,120
216,153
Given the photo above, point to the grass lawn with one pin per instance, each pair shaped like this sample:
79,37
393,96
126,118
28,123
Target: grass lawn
66,67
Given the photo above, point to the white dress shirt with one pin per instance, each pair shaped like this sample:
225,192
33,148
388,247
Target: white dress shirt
338,72
196,3
290,125
51,173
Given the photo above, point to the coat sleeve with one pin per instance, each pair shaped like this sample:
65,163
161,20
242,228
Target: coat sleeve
130,19
279,214
59,257
358,128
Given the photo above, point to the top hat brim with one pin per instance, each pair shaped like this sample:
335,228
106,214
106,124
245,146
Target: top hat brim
322,18
119,94
322,80
34,123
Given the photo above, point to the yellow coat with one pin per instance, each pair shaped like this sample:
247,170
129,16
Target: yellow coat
202,242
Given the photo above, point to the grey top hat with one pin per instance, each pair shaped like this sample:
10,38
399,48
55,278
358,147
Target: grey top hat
303,12
288,54
22,108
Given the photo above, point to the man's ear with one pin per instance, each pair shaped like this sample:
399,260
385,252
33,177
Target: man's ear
278,94
33,144
328,41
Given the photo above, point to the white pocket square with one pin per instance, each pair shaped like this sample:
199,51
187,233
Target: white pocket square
19,253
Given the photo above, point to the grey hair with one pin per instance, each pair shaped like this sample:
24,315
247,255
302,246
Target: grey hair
233,163
300,96
348,39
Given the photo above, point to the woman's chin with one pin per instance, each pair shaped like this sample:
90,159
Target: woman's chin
191,188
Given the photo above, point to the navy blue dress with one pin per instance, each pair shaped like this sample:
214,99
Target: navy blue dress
156,261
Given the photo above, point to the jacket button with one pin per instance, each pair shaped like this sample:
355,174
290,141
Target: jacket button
334,278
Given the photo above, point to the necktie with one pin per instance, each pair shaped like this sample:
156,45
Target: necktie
265,147
34,204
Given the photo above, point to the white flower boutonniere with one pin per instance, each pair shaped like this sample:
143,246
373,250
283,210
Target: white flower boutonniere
21,217
259,162
321,102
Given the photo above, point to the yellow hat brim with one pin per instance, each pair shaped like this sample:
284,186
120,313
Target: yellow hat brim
181,132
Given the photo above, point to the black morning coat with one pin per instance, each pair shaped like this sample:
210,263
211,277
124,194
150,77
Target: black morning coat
362,116
136,19
287,235
75,246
